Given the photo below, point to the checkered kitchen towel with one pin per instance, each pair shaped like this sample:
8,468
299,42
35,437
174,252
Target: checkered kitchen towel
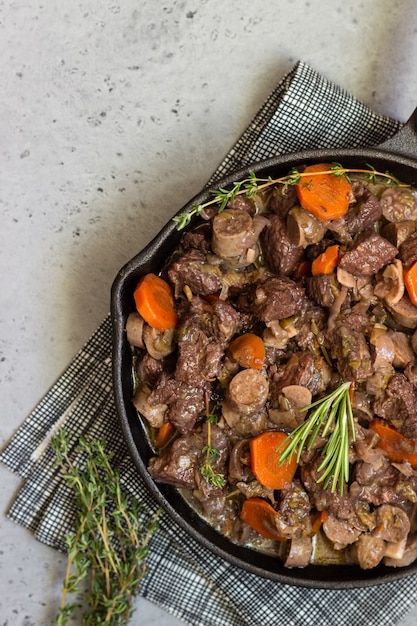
304,111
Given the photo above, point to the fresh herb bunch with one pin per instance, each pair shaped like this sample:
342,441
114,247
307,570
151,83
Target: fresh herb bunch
108,541
334,411
252,185
207,471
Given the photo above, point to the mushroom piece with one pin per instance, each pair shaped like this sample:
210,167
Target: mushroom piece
300,550
409,554
134,330
398,232
275,335
154,413
403,351
404,313
303,228
158,344
346,279
293,398
390,287
298,396
367,551
239,465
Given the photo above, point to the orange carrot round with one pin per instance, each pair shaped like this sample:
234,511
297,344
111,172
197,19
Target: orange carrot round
265,463
165,432
259,514
155,302
397,447
326,262
410,282
248,350
326,196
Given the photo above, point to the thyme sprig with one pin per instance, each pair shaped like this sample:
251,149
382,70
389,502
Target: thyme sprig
253,185
334,411
108,540
210,453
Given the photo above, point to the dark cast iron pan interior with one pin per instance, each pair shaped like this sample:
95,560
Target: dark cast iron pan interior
399,156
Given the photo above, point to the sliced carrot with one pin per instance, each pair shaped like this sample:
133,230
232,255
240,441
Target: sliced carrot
397,447
326,196
259,514
326,262
248,350
317,521
165,432
410,282
155,302
265,463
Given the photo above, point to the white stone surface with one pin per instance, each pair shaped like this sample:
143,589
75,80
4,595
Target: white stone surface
113,114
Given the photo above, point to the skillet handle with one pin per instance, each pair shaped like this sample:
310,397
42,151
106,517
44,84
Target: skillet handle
404,142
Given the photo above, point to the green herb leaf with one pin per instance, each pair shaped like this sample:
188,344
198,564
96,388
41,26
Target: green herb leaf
109,541
331,413
252,185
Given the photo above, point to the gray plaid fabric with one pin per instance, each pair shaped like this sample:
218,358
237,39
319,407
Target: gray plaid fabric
304,111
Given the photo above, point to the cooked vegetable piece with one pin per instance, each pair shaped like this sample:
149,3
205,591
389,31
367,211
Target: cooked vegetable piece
165,432
326,262
303,269
326,196
397,447
248,350
155,302
265,461
259,514
410,281
317,521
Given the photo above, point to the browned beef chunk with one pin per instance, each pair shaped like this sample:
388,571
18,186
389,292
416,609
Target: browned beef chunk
192,269
199,358
309,326
243,203
305,369
226,321
376,483
177,464
369,254
278,298
364,213
282,199
321,289
293,515
408,251
149,369
398,406
350,348
185,403
281,256
198,239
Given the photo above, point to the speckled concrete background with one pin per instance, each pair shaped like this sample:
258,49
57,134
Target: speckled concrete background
112,115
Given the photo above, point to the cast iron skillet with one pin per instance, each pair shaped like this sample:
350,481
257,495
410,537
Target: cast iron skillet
399,156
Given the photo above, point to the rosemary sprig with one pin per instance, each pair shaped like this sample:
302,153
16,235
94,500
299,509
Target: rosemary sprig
207,471
108,540
333,411
252,185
